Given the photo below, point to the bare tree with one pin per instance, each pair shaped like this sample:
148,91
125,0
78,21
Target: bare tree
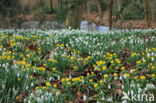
74,15
51,6
153,8
60,3
147,13
99,8
88,7
119,5
110,14
42,15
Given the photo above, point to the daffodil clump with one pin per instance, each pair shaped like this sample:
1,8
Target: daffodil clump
76,66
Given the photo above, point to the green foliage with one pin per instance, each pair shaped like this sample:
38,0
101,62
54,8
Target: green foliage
9,8
46,9
104,6
77,2
26,10
130,10
36,12
56,10
61,14
133,12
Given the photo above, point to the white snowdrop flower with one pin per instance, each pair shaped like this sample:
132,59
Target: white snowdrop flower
57,93
110,99
103,98
6,69
152,54
132,92
31,95
3,65
84,98
32,84
148,54
146,88
122,86
47,93
98,53
29,101
109,86
115,78
50,94
150,86
131,71
120,78
40,92
51,78
45,98
148,66
26,88
42,98
58,78
83,81
139,90
38,99
132,85
3,86
70,77
25,100
125,101
104,81
143,58
128,93
125,76
138,85
27,76
97,102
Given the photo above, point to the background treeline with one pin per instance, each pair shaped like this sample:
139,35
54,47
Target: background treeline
70,11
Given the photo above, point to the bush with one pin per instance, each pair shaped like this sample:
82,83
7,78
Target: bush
26,10
133,12
130,11
46,9
104,6
61,14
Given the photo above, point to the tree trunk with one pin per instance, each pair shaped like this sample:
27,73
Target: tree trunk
99,9
119,5
153,8
60,3
74,16
147,14
110,14
88,7
29,4
42,15
51,6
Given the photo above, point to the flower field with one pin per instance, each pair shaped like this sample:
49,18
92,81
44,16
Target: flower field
72,66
